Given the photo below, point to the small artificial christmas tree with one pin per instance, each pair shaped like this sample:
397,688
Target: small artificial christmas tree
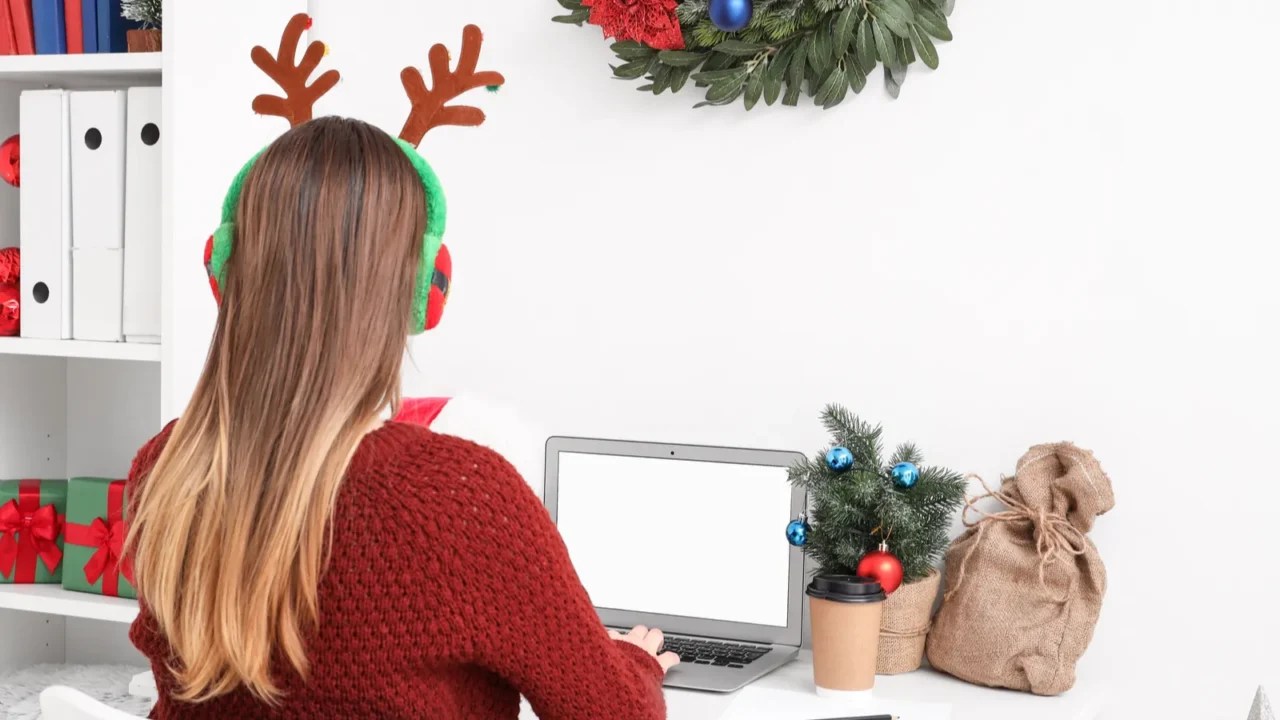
146,12
854,510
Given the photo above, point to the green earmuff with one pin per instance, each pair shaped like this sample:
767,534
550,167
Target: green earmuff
435,260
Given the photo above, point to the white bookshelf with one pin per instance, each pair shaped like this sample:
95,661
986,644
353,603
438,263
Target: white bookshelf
53,600
70,408
125,68
80,349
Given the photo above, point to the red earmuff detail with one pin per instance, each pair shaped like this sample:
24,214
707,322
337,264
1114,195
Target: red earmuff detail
208,268
441,279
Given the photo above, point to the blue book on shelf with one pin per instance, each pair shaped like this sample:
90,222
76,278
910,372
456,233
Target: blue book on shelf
49,21
89,16
112,27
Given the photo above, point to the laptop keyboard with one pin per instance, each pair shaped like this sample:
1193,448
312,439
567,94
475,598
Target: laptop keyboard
712,652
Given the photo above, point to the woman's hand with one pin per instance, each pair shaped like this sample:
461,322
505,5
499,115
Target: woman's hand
651,642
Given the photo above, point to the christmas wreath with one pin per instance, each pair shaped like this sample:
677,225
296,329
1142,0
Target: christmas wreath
766,49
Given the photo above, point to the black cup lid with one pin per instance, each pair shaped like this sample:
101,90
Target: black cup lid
845,589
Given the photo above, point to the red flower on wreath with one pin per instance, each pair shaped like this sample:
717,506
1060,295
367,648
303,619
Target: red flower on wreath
652,22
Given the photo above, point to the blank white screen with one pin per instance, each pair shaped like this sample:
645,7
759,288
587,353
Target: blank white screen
678,537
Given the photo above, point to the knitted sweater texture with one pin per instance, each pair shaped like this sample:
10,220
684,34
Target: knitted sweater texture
448,595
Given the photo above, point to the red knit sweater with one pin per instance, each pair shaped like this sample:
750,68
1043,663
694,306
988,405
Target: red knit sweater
449,594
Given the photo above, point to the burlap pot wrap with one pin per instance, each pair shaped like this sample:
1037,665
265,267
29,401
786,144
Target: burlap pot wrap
1024,586
905,624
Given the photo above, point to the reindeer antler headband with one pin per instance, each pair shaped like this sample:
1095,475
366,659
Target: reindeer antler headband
429,110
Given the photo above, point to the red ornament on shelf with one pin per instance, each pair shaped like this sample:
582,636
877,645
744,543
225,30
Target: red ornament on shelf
881,566
10,293
10,310
10,153
10,265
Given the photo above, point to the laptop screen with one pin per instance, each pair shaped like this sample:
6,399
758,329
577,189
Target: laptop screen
678,537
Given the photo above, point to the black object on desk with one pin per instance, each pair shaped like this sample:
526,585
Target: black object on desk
864,717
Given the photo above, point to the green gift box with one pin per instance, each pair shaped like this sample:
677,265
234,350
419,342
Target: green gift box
95,533
31,519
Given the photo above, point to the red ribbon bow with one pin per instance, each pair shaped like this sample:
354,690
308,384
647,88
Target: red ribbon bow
107,537
28,531
108,560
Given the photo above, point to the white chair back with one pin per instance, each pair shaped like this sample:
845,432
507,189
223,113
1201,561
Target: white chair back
64,703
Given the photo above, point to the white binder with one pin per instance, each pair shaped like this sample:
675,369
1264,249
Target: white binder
97,168
98,281
142,217
45,214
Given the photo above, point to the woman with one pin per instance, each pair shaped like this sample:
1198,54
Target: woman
296,556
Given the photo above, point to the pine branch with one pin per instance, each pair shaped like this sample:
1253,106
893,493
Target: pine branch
690,12
147,12
906,452
859,437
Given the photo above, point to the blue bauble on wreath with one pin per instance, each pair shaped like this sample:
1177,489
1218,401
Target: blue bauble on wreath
839,459
731,15
797,532
905,475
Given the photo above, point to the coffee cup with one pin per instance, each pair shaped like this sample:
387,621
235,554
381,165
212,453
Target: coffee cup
845,618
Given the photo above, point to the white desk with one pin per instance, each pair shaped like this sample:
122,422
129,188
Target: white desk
968,702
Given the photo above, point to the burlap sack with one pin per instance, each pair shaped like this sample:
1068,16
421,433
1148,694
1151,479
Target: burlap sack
1025,586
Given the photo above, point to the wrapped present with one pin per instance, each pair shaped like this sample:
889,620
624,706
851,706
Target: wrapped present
32,513
95,533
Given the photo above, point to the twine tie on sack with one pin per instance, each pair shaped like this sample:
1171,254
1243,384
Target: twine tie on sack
1056,538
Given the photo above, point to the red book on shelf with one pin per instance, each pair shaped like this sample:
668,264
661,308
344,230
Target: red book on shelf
24,38
75,27
7,45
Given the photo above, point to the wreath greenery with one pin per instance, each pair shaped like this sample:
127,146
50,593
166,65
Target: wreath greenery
819,48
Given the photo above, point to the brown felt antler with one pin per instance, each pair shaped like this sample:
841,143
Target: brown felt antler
299,98
429,106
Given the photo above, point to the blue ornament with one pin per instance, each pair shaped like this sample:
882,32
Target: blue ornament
797,532
905,475
731,15
839,459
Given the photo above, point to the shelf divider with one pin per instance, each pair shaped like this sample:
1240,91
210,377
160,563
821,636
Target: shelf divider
80,349
53,600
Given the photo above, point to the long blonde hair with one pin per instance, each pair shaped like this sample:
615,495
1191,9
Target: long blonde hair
229,530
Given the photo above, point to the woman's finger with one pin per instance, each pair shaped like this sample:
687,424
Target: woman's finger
615,635
653,641
668,660
638,632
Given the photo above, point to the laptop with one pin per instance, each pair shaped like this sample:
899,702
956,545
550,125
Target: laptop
690,540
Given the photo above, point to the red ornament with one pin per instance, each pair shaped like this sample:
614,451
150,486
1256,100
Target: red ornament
10,310
10,153
881,566
10,265
10,293
652,22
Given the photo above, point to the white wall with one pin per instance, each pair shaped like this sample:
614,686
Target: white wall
1061,234
210,83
